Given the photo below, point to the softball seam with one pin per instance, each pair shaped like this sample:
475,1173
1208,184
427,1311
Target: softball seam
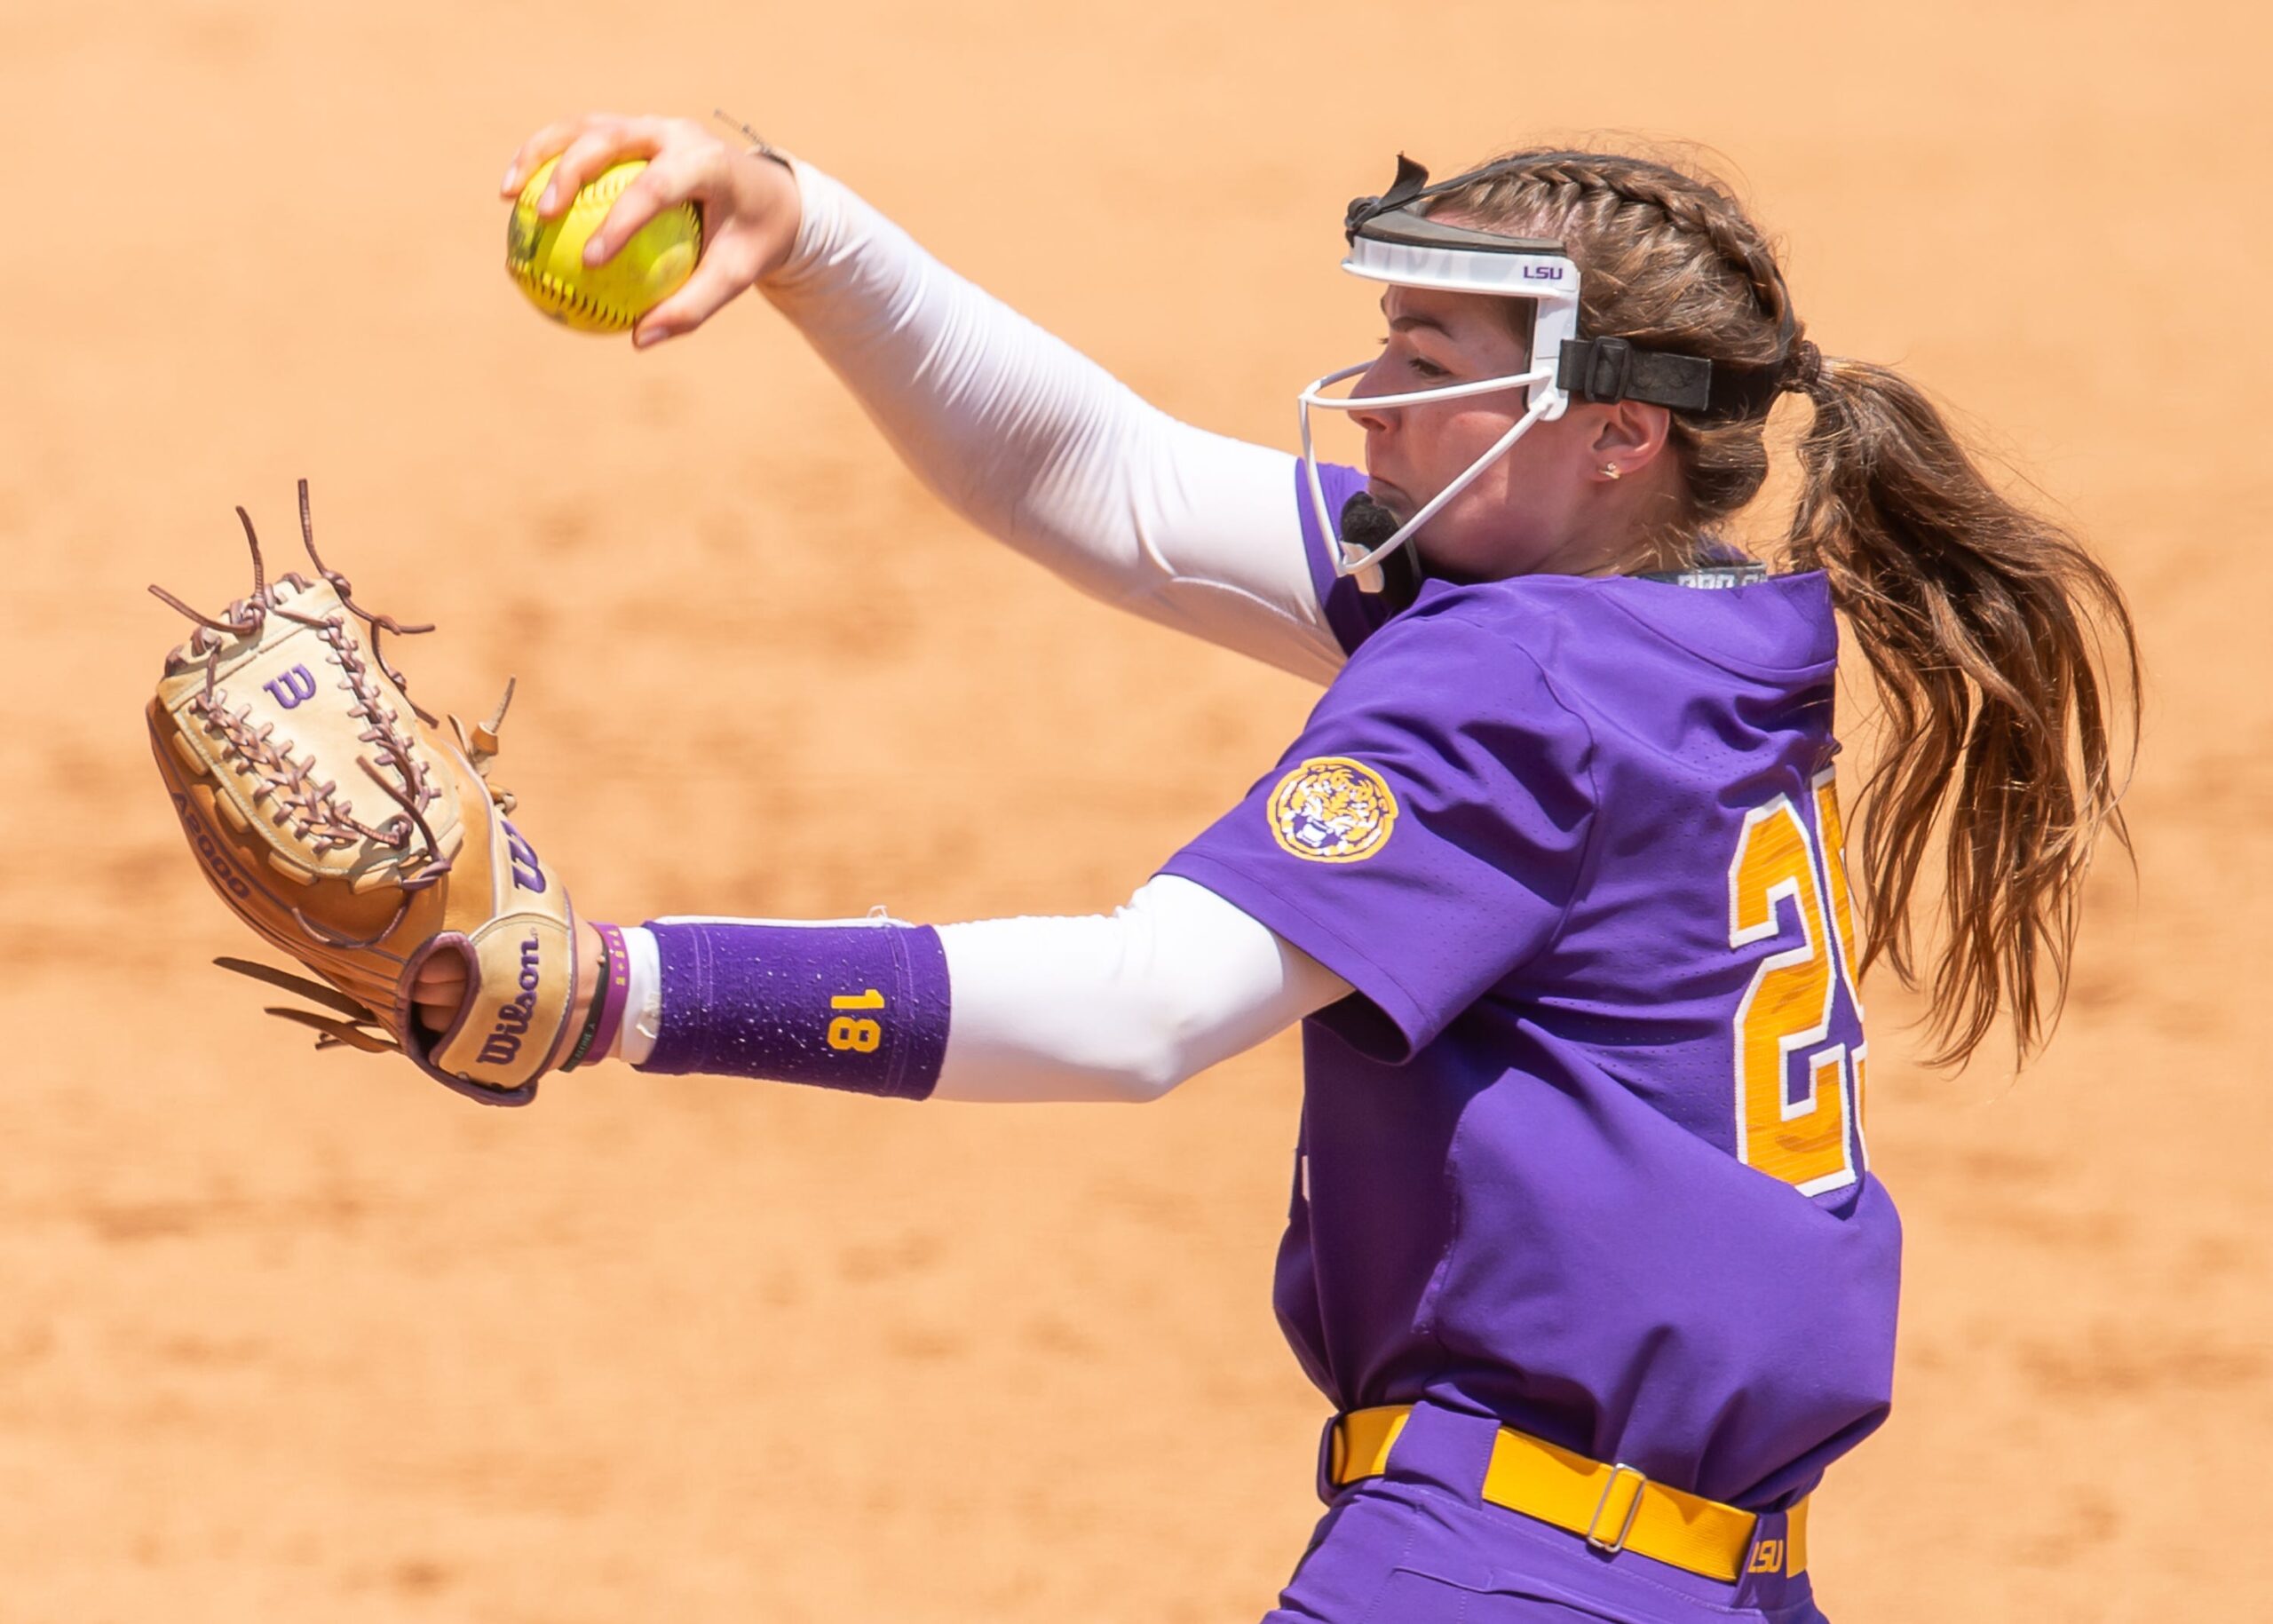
600,196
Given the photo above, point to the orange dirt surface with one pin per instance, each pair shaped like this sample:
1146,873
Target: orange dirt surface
300,1336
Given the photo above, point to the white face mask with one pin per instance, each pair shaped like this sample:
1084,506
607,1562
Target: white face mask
1411,250
1391,242
1349,559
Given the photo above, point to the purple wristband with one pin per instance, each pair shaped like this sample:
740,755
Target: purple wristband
614,990
862,1007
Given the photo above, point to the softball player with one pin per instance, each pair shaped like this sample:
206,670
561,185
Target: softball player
1584,1250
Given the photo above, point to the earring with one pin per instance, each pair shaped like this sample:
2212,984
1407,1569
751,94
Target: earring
1610,470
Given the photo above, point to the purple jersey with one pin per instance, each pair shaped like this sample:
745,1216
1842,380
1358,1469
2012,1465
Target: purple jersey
1583,1151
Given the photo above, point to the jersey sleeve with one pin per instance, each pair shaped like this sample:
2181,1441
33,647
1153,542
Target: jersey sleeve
1351,615
1424,836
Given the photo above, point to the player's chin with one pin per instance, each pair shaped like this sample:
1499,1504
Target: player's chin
1401,506
1431,549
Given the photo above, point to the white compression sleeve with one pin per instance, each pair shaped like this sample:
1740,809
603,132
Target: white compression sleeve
1042,448
643,1010
1121,1007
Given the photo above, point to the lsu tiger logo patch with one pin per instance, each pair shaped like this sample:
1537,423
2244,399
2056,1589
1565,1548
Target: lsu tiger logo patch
1333,810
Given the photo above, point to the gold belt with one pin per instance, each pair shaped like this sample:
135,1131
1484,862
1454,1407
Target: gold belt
1614,1508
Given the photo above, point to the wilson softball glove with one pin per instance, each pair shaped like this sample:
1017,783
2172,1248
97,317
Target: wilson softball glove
344,826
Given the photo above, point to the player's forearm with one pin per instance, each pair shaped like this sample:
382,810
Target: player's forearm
1118,1008
1123,1006
1044,450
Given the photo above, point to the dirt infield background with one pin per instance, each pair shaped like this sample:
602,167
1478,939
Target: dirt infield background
290,1337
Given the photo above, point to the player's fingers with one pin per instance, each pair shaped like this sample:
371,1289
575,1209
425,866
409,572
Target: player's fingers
435,1018
440,979
439,992
548,142
592,154
724,272
671,179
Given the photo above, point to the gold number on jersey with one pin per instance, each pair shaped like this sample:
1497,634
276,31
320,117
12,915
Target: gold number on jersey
1786,1010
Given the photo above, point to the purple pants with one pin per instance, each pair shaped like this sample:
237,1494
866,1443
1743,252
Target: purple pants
1418,1545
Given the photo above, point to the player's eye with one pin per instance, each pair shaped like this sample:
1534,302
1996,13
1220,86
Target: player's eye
1418,363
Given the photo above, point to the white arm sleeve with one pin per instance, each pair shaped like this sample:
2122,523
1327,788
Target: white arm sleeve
1119,1008
1042,448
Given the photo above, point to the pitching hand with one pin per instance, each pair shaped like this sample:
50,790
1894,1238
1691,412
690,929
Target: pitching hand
749,204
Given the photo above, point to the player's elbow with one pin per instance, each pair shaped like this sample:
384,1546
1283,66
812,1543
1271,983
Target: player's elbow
1133,1067
1139,1080
1162,1046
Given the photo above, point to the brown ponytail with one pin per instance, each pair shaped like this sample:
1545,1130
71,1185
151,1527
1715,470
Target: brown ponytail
2003,653
1978,619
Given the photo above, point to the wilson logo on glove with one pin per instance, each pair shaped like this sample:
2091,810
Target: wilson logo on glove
528,874
504,1044
289,689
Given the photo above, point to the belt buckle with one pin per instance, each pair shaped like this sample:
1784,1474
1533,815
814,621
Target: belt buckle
1611,1547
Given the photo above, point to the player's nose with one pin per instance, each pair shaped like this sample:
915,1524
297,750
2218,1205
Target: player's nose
1373,419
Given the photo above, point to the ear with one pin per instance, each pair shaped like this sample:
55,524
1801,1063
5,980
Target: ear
1630,434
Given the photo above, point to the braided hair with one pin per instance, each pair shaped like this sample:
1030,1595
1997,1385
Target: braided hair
1670,262
2002,651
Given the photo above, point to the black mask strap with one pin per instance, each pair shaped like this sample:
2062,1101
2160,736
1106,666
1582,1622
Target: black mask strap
1604,370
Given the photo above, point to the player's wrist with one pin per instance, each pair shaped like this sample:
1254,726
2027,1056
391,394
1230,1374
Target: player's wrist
773,201
859,1005
584,1042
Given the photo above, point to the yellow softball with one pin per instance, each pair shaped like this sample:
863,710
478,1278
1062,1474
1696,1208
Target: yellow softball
546,258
